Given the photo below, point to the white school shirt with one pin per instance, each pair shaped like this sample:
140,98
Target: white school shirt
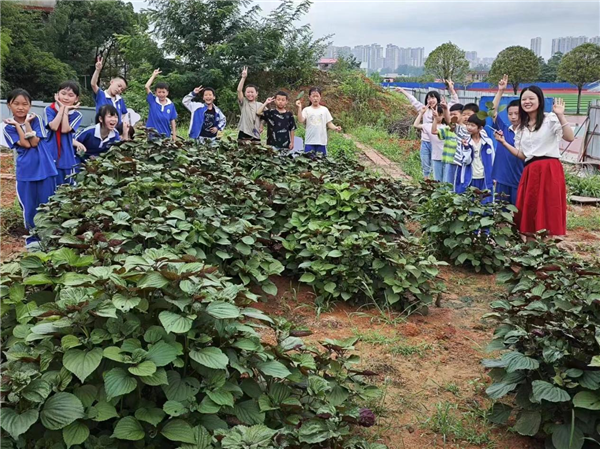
543,142
428,116
477,164
437,144
316,124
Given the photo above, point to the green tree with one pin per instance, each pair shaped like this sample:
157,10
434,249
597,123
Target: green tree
79,31
447,62
519,63
581,66
549,70
25,64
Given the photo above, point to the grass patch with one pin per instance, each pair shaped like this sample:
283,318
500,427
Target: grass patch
337,145
393,344
11,220
583,185
471,425
588,219
404,152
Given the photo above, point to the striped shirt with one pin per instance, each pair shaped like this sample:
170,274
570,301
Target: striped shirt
450,143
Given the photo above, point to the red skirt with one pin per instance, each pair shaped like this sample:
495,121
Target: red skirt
542,198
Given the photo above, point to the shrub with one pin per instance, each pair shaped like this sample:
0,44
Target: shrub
161,350
549,323
466,231
583,185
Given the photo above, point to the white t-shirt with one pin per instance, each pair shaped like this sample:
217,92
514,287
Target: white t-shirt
437,145
316,124
477,164
543,142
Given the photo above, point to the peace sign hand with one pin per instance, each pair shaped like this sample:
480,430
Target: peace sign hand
156,72
244,72
269,100
99,63
197,90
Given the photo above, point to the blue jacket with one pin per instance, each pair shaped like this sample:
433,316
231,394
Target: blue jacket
198,109
464,173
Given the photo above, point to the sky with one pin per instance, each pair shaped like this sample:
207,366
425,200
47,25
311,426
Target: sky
484,26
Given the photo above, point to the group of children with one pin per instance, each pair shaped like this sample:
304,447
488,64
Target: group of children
50,150
524,166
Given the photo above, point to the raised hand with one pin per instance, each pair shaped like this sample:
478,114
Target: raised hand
244,72
99,63
424,110
197,90
435,114
450,84
503,83
298,103
559,106
156,72
400,89
443,104
269,100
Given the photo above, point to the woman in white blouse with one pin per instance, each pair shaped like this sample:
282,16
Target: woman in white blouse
542,194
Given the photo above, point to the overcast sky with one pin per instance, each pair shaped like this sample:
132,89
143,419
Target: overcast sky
484,26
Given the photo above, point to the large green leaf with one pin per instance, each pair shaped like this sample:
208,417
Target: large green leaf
118,382
145,369
75,433
274,368
152,415
544,390
210,357
222,310
221,397
158,378
179,389
178,430
528,423
175,323
17,424
102,411
61,410
566,437
517,361
153,280
587,399
37,391
82,363
130,429
162,353
249,412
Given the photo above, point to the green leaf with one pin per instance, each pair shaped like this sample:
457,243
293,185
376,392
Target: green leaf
174,408
587,399
544,390
146,368
330,287
270,289
103,411
153,280
334,253
16,424
566,437
75,433
500,413
61,410
158,378
243,249
82,363
307,278
175,323
178,430
177,213
221,397
274,368
69,341
222,310
130,429
150,415
210,357
37,391
125,303
179,389
517,361
86,394
162,353
247,344
528,423
118,382
248,412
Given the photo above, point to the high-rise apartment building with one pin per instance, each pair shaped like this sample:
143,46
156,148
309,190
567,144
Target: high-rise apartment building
536,46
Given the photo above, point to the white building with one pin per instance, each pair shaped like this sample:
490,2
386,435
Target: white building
536,46
566,44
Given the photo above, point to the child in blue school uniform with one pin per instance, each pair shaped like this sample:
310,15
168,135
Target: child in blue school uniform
97,139
477,161
112,96
507,169
35,169
207,119
61,120
162,113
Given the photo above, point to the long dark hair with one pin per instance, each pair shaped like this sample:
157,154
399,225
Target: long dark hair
524,116
107,109
433,93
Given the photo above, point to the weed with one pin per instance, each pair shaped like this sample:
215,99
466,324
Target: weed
394,344
454,424
11,220
452,388
588,220
405,349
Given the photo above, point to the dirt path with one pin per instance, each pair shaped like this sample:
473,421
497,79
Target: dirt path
372,157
